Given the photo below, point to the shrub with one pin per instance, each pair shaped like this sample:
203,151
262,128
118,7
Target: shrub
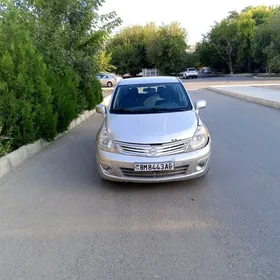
48,67
27,111
64,92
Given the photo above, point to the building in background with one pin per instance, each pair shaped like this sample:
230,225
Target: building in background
150,72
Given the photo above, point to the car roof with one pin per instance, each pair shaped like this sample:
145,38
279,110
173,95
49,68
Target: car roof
148,80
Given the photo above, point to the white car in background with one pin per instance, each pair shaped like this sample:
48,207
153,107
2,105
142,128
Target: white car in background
190,73
108,80
117,78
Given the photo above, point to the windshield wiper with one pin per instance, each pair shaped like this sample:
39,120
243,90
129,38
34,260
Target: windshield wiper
160,109
149,110
157,109
122,111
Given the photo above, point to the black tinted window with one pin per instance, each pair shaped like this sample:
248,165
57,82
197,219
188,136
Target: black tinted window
153,98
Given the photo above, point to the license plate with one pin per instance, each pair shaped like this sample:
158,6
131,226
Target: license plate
154,166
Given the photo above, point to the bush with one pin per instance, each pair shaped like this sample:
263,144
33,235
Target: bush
65,94
41,90
26,111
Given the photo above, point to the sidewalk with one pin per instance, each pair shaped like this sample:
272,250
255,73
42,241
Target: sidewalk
268,95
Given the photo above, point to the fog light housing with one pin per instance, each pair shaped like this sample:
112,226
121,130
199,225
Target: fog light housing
201,164
106,168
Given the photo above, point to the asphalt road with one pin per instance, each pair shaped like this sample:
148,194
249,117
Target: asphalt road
58,220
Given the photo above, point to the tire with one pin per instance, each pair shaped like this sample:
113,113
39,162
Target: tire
109,84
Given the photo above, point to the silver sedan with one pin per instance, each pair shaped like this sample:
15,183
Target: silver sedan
152,133
107,80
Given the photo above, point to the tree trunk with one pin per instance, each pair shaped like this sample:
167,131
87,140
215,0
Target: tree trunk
229,63
250,68
230,66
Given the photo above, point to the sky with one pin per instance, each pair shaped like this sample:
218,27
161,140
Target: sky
196,16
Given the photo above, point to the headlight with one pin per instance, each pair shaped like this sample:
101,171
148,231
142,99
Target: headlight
106,143
199,139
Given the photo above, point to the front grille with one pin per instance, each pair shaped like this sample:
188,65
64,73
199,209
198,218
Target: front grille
153,150
129,172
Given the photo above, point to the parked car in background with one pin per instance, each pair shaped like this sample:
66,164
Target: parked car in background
152,132
190,73
107,80
116,77
207,70
127,75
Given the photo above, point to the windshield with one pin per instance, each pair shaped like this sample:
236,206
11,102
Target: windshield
191,69
153,98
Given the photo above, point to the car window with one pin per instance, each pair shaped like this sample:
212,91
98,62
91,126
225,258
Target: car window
103,76
191,69
153,98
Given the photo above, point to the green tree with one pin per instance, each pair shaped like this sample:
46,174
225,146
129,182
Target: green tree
26,111
246,31
48,65
241,40
191,60
69,25
224,37
129,51
208,55
266,42
250,18
127,59
167,50
104,61
272,51
137,47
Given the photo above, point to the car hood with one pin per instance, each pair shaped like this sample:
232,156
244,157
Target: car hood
152,128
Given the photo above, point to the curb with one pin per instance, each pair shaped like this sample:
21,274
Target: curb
267,78
257,100
21,155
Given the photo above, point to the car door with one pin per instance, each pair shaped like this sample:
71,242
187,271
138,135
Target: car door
103,80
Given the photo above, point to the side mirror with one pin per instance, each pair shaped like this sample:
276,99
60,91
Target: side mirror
199,105
101,109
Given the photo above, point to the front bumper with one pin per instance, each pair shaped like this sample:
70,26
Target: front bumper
120,168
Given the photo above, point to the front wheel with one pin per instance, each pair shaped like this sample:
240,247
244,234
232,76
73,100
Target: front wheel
109,84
